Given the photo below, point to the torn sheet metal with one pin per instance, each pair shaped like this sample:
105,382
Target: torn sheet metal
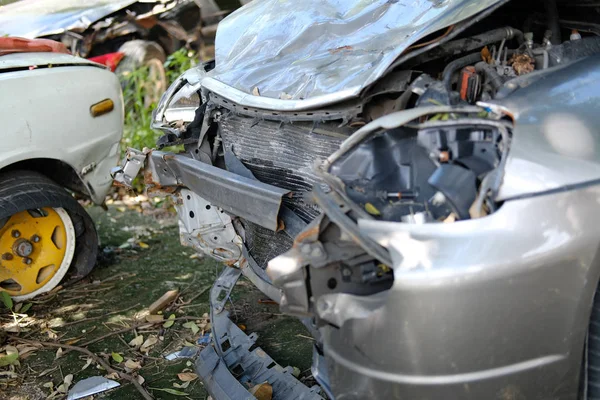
304,50
90,386
228,368
134,161
207,228
36,18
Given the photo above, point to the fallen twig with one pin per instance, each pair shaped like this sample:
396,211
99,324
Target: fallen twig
88,290
305,337
96,358
117,276
98,317
200,293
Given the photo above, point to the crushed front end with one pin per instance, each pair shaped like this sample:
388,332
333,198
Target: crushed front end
433,229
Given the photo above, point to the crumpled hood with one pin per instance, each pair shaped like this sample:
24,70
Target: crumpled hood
293,49
37,18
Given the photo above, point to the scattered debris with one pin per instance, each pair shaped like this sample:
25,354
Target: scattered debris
170,321
187,376
186,352
262,391
154,319
204,339
192,325
131,365
137,341
59,353
522,63
117,357
90,386
10,357
151,341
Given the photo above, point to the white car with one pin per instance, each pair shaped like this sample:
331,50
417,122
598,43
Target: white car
62,121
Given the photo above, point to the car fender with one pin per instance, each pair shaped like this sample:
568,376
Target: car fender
47,114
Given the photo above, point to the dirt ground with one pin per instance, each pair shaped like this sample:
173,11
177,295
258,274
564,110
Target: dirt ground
141,259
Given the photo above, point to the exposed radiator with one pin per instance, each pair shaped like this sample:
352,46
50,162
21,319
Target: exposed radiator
283,155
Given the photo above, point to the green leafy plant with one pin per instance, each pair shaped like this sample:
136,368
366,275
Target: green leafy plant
6,300
179,62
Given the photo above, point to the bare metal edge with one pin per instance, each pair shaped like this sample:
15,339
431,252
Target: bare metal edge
266,103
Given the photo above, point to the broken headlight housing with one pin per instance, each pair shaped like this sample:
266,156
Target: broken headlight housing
180,101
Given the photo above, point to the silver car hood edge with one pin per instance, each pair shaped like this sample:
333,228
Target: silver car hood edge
309,54
239,97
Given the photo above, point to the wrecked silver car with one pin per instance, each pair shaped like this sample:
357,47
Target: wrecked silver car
417,181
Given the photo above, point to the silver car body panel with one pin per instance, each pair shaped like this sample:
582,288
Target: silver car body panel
444,303
317,52
555,140
36,18
499,304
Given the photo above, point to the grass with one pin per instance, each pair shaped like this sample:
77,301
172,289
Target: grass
145,274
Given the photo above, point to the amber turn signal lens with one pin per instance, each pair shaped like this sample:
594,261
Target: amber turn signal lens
101,108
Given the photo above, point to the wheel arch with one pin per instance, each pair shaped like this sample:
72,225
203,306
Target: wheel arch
57,170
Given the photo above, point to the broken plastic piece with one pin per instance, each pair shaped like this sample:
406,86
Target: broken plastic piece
90,386
233,361
186,352
204,339
458,186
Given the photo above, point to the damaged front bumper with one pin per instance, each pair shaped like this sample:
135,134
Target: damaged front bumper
457,320
232,364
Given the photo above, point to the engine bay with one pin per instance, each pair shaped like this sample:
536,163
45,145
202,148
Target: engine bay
430,169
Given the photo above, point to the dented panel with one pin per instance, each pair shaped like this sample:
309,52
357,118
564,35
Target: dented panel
314,49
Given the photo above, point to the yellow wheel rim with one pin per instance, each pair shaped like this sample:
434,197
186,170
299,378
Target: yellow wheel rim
34,247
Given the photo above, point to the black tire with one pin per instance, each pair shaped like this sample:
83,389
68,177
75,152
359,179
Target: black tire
22,190
139,53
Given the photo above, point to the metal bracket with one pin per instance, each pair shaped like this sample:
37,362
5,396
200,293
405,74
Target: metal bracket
207,228
134,161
